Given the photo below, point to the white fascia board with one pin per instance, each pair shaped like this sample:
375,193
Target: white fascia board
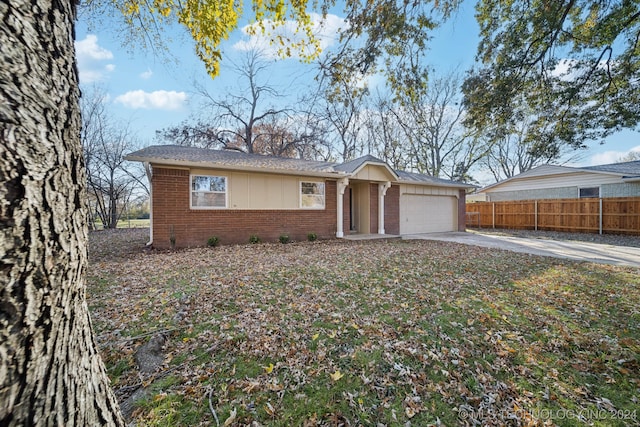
206,165
435,184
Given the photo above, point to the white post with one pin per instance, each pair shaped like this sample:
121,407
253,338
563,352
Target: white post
341,187
382,191
149,171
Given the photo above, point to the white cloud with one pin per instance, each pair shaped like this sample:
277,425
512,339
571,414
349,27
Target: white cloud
157,100
88,48
146,75
571,69
611,156
326,30
91,60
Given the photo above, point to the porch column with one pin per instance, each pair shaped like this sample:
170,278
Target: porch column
382,191
341,185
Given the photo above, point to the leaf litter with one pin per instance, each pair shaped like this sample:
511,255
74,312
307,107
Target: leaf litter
367,333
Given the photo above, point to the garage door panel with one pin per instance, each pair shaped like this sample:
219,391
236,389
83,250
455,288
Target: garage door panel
427,213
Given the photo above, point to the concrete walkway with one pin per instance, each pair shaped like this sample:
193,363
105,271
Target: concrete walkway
579,251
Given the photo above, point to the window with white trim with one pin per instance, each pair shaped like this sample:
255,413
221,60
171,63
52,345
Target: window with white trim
312,195
208,192
589,192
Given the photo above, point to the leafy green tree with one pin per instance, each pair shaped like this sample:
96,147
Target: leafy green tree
208,22
386,36
575,62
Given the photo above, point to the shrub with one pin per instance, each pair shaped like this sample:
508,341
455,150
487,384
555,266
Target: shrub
254,239
213,241
312,237
284,238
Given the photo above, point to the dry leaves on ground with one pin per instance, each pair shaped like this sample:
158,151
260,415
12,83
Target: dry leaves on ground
369,333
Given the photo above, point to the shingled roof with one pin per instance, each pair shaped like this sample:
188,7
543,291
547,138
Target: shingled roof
353,165
236,160
626,169
194,156
428,179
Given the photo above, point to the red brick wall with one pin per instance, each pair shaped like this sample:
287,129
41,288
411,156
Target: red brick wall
392,210
192,227
346,211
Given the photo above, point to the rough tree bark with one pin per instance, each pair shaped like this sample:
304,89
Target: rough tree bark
50,370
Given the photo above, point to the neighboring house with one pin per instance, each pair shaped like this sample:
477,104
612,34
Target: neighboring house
562,182
199,193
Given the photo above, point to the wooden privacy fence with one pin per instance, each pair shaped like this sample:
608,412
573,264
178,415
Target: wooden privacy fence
615,215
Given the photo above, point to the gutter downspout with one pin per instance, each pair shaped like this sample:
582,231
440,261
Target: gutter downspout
341,185
149,172
382,191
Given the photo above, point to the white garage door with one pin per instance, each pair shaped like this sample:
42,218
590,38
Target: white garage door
427,214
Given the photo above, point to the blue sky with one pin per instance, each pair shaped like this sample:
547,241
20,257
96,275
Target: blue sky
152,92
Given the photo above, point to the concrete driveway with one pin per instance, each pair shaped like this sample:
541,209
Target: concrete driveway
579,251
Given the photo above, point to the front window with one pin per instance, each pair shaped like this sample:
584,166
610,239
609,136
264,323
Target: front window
589,192
208,191
312,195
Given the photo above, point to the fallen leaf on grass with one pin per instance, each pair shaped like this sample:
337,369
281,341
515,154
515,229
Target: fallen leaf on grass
231,419
269,409
336,375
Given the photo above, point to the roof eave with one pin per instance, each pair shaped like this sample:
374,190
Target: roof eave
384,165
437,184
209,165
620,174
575,170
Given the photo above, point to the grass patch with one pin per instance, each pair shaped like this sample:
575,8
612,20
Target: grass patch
126,223
370,333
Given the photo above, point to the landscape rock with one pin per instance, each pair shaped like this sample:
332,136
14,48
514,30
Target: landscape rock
151,355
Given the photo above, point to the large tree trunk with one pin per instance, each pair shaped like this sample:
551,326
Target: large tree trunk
50,371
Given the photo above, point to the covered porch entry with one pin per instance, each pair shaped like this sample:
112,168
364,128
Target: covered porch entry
367,202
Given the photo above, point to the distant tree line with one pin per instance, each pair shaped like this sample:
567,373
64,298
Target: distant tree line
115,187
419,124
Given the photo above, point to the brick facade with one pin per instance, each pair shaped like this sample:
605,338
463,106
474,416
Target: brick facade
193,227
392,210
346,212
172,215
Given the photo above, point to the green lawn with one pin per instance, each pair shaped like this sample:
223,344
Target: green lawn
127,223
368,333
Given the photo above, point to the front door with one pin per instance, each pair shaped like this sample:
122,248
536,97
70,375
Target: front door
359,209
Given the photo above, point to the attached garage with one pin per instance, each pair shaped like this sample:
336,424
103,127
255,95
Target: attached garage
427,213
